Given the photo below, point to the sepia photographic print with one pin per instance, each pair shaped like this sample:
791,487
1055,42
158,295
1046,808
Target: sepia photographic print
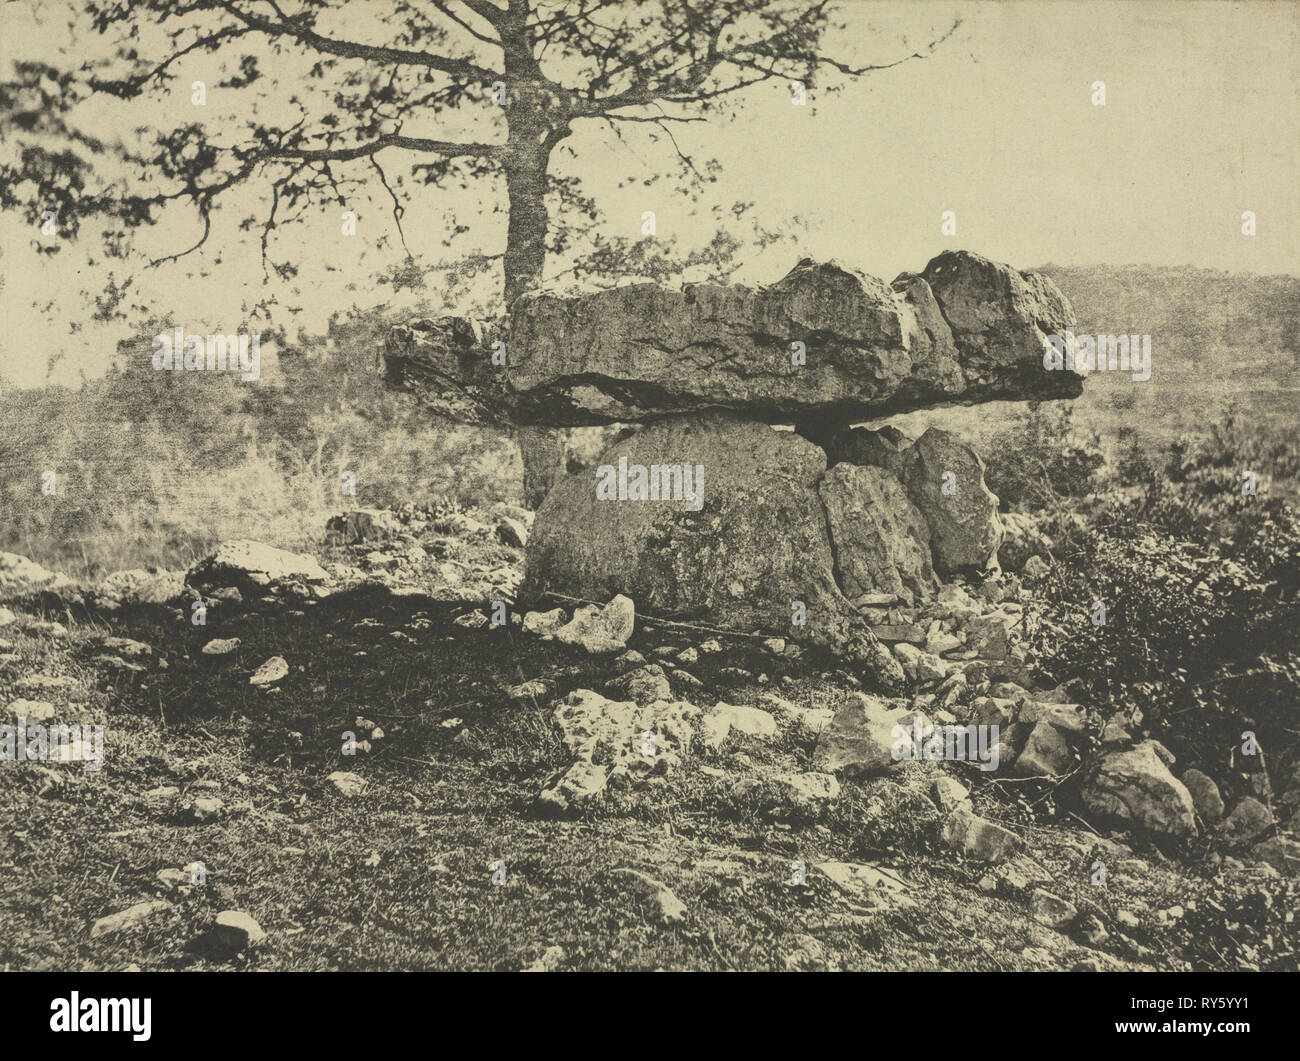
769,486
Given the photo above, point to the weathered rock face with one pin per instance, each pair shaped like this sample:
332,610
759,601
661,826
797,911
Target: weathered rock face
757,544
999,318
964,527
944,480
881,542
964,330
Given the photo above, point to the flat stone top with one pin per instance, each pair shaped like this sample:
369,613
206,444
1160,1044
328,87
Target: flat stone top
825,345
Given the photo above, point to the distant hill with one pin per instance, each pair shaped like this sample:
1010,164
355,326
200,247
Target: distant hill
1216,337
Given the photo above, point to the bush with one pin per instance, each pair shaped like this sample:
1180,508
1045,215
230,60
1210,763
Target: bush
1040,458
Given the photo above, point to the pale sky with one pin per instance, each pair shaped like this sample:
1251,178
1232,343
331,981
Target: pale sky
998,125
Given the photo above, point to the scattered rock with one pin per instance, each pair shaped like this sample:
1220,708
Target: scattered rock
645,685
237,930
1205,795
219,646
270,672
874,886
809,790
669,908
860,738
600,630
949,793
1248,820
252,567
347,784
205,809
32,710
1047,909
1045,753
718,724
1136,788
132,917
543,622
364,525
531,690
1035,569
979,839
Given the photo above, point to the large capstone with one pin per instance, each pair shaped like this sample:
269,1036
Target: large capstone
825,345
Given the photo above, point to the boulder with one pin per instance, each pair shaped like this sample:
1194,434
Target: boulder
944,479
1135,787
880,541
1000,319
745,554
641,351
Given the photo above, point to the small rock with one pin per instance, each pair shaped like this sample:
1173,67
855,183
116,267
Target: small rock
949,793
719,723
531,690
7,617
131,917
1048,909
809,789
348,784
270,672
1248,820
236,931
976,838
543,622
206,808
600,630
670,909
1092,931
124,646
580,784
645,685
220,646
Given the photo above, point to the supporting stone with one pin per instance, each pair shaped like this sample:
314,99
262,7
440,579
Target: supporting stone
544,452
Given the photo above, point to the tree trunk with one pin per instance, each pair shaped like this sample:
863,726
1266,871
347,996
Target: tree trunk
543,450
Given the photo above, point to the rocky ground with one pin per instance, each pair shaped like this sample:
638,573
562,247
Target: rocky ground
376,773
